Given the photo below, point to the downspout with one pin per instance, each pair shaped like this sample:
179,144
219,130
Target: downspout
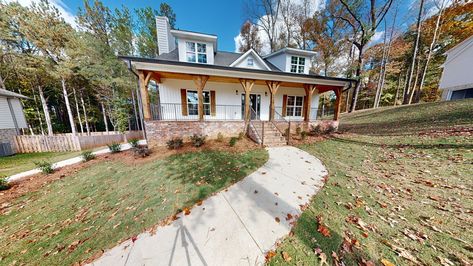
138,93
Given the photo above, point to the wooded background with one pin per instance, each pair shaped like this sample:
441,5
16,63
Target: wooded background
77,83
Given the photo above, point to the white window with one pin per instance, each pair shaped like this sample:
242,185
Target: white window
294,105
250,62
297,64
196,52
193,102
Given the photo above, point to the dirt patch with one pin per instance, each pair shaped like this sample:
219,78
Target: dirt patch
37,181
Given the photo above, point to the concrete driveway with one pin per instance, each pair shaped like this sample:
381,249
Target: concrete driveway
236,226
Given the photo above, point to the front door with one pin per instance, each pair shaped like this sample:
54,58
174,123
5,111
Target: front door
255,104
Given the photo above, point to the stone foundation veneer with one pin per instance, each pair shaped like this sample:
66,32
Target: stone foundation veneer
307,126
6,135
158,132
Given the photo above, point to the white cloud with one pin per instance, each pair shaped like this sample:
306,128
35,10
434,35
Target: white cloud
378,37
64,10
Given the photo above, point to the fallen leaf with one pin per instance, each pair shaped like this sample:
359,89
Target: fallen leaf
277,219
199,202
289,217
187,211
323,259
269,255
323,230
386,262
286,256
134,238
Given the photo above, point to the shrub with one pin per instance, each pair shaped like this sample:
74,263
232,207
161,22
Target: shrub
141,151
198,140
175,143
220,137
298,130
286,132
4,185
45,167
87,156
233,141
133,142
115,147
316,130
303,135
241,135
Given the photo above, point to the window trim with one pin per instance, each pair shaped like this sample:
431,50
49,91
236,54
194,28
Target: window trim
294,106
297,65
252,62
196,52
197,92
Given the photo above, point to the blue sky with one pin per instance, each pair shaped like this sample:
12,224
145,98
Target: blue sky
225,17
222,18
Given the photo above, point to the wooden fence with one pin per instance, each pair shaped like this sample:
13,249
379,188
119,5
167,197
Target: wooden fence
69,142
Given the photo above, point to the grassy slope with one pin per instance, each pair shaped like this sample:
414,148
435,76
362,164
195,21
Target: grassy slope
413,193
71,219
23,162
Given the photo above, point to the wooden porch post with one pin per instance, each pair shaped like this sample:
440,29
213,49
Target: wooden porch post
273,87
247,84
338,93
200,84
144,80
309,90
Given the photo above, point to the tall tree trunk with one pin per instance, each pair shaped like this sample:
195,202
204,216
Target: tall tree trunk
68,107
356,91
77,110
85,114
38,113
381,70
431,47
414,86
2,83
47,117
414,53
104,117
398,88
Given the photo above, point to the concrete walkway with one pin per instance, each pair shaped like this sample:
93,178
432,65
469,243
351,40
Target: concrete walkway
236,226
71,161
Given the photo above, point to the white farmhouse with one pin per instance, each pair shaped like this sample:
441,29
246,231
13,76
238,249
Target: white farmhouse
12,119
202,90
457,76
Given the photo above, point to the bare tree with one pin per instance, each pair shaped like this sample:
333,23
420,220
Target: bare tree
408,92
432,44
265,13
249,38
364,20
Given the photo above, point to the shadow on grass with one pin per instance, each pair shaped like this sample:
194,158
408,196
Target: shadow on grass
413,146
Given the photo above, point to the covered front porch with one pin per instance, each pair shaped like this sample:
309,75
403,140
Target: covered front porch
186,97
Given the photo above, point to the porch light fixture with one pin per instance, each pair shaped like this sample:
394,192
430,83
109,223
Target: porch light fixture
265,93
236,91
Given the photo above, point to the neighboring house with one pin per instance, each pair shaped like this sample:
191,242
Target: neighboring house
457,75
202,90
12,118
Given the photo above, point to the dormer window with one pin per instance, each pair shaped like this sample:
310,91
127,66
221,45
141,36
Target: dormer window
297,64
196,52
250,62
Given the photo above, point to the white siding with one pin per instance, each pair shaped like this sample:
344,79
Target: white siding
226,94
18,110
166,42
256,63
6,120
181,44
457,71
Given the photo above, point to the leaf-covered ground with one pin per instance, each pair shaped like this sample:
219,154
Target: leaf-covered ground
74,218
391,199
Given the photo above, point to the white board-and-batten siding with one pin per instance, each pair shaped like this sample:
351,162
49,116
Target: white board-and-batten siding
6,119
227,94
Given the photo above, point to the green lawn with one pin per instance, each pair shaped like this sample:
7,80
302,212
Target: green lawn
23,162
73,218
400,198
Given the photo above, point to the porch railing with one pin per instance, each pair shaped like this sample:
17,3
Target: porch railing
282,125
176,112
256,125
314,115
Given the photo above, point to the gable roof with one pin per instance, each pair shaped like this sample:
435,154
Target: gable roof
11,94
254,54
458,49
290,50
